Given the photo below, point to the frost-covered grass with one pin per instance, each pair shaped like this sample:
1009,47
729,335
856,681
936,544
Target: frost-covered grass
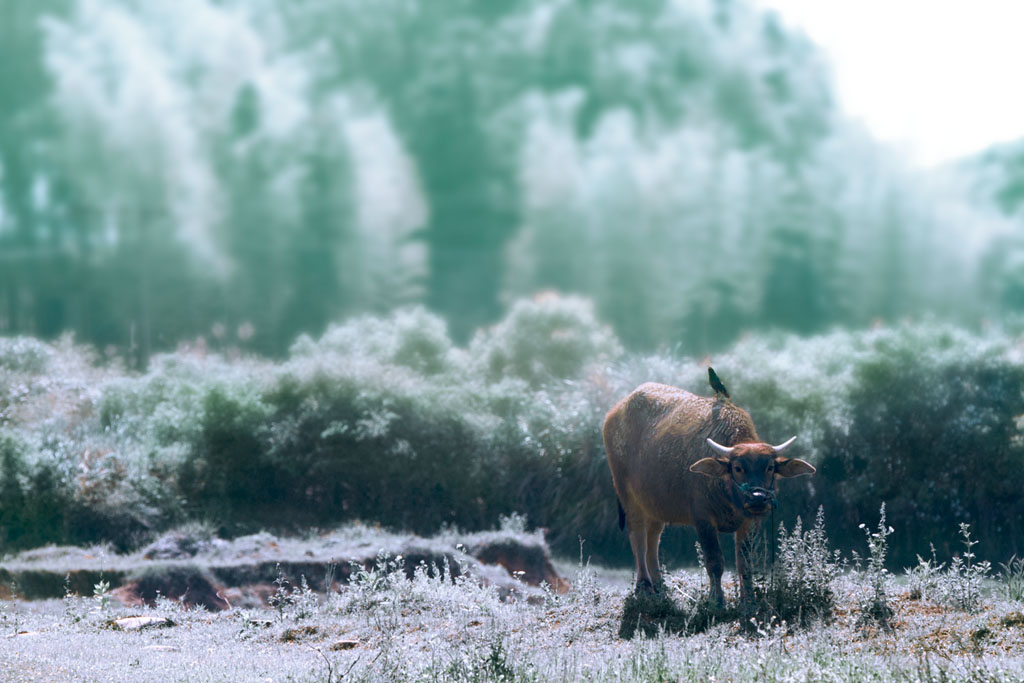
816,619
386,420
384,628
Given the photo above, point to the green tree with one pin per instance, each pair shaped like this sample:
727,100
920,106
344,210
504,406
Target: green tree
34,242
453,76
798,290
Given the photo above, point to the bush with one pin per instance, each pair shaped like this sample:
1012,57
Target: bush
409,338
548,338
227,474
405,453
13,525
34,503
25,355
932,431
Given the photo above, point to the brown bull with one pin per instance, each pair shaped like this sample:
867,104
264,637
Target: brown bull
669,466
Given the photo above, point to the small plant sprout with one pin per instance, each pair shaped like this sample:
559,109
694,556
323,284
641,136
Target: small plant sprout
8,616
72,604
925,579
1012,577
101,596
306,602
966,575
874,607
296,603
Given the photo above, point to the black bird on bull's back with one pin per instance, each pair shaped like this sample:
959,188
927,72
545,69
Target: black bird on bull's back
716,384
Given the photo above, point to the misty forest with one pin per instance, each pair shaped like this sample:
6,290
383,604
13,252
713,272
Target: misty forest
360,274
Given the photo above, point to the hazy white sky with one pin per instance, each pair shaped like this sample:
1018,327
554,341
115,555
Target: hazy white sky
939,78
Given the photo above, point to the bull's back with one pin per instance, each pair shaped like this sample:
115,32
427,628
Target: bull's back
654,413
631,421
645,438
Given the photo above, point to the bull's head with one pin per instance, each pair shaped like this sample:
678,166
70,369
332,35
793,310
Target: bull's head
750,470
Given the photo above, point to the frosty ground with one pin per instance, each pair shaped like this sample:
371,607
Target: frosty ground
383,627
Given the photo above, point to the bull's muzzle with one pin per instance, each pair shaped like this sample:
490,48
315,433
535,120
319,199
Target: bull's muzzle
757,500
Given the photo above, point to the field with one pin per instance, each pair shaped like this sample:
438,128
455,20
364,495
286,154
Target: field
432,630
931,624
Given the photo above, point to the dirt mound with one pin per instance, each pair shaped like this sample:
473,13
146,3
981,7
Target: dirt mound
246,571
524,556
187,584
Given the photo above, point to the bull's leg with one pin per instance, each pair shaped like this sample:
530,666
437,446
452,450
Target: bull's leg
637,527
654,530
707,534
744,546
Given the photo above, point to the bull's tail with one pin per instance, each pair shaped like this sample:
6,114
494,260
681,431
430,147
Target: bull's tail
622,514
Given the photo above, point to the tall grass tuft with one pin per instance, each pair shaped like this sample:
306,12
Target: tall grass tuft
799,588
1011,575
966,574
959,585
874,605
924,578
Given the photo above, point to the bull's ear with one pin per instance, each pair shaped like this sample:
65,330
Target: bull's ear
713,467
792,467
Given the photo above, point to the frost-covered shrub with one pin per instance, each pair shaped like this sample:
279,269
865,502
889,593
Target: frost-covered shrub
164,406
54,490
792,385
47,386
180,433
226,473
924,578
544,339
558,468
390,447
412,338
932,430
25,354
37,498
15,522
1011,576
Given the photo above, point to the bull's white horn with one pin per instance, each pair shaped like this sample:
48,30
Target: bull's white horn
778,449
724,450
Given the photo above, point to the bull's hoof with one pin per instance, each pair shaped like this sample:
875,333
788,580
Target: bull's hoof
645,587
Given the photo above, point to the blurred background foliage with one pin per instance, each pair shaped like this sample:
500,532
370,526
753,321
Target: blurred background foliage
225,177
252,169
